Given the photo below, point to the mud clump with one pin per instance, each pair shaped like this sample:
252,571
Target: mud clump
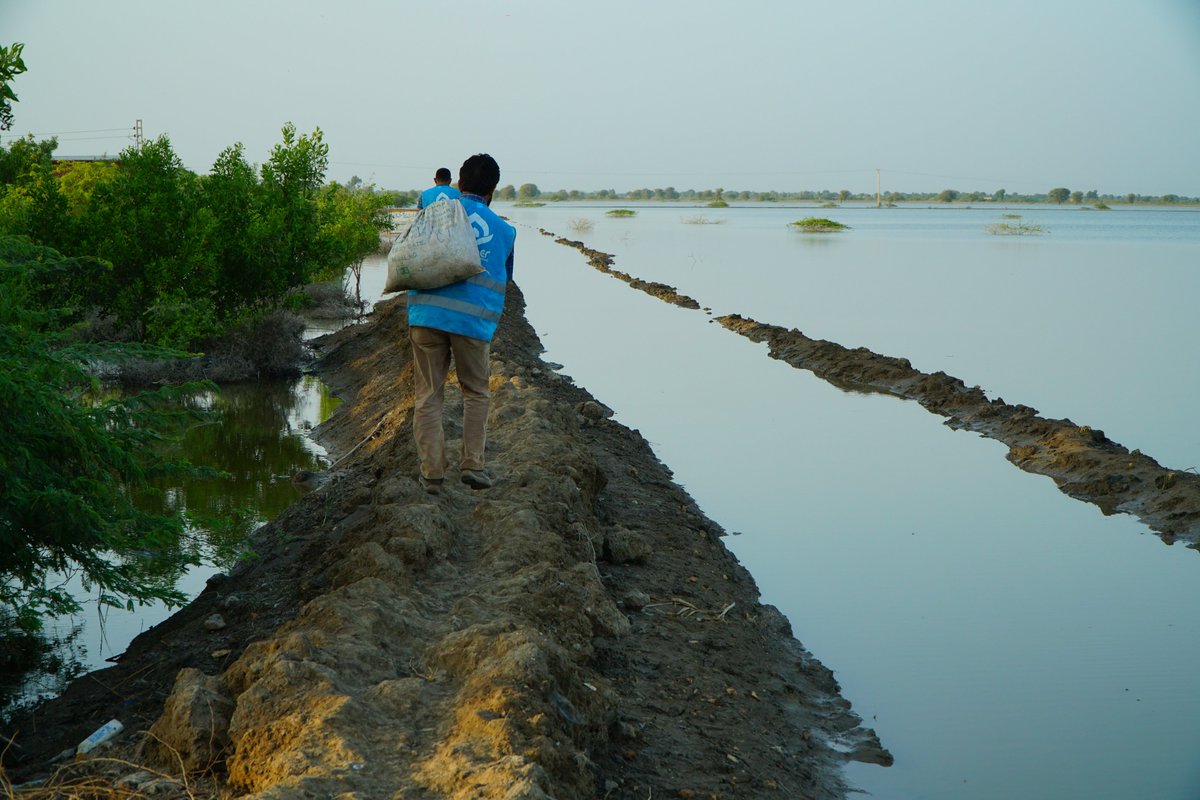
1082,461
579,630
604,261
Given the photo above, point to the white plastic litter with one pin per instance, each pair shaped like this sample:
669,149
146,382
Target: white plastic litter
101,735
437,250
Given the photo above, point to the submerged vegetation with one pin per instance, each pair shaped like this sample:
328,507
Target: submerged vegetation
700,219
1014,229
622,212
581,225
818,225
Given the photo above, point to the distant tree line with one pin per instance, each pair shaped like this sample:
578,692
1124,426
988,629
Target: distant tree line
1058,195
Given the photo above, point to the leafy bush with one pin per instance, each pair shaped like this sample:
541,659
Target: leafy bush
72,458
621,212
818,225
192,256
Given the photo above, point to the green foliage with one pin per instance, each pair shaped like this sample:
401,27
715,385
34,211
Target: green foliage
1014,229
947,196
30,204
716,204
621,212
77,183
818,225
192,256
1058,195
527,204
72,460
528,191
11,65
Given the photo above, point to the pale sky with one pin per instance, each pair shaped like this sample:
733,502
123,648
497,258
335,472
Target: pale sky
755,94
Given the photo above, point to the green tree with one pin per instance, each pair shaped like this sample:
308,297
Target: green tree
77,182
506,192
947,196
1076,197
11,65
291,179
351,220
72,460
1058,195
998,195
528,191
30,203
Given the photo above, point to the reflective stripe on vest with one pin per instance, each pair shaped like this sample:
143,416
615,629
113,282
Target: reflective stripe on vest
450,304
483,280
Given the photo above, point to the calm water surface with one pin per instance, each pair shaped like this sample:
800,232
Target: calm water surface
261,439
1005,640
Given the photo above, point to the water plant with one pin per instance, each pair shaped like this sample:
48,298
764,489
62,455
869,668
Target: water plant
717,204
622,212
1016,229
1101,206
581,225
700,219
829,205
1011,216
527,204
818,225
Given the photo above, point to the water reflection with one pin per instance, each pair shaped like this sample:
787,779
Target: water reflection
1004,640
258,439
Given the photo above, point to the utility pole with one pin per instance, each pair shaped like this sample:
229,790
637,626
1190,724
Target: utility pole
878,196
137,135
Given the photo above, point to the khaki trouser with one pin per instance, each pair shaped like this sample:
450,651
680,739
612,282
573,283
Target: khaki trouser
431,362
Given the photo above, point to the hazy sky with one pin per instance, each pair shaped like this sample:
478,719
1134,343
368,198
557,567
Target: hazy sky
754,94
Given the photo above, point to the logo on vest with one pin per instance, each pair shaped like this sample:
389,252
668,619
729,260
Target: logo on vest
483,234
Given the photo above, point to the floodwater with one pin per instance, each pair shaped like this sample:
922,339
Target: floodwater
260,441
1004,639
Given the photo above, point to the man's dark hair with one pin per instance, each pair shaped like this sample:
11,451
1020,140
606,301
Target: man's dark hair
443,174
479,175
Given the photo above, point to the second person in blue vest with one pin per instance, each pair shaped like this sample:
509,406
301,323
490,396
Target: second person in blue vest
441,190
458,322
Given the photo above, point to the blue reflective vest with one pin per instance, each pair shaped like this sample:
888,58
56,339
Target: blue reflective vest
435,193
471,307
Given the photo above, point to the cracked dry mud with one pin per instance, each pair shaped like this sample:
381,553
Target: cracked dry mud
577,631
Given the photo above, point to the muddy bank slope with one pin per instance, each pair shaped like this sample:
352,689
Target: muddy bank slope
577,631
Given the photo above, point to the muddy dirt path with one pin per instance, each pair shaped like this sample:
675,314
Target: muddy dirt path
1082,461
577,631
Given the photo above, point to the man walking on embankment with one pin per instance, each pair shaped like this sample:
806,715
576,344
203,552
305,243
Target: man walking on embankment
441,190
460,320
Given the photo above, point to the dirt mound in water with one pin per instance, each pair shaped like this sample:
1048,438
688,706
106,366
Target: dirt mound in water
1082,461
577,631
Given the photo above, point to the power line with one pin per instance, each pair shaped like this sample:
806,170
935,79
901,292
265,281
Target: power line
65,133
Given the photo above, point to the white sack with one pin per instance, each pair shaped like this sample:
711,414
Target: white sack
437,250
